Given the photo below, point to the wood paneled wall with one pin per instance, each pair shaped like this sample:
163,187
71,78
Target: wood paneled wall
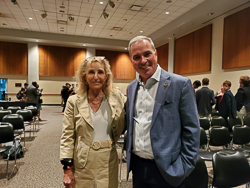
13,58
162,53
120,63
236,41
193,52
60,61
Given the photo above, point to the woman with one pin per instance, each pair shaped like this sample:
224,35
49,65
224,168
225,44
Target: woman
218,96
92,124
39,102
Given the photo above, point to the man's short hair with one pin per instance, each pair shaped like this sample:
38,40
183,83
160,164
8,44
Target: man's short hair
34,84
67,84
139,39
197,83
205,81
245,80
227,83
26,84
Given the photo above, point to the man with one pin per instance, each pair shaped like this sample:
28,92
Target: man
228,103
31,94
242,97
196,84
65,95
162,122
21,95
205,99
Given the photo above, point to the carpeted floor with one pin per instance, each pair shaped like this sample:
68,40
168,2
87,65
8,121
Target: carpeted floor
40,166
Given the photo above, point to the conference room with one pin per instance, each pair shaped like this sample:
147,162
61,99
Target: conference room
46,41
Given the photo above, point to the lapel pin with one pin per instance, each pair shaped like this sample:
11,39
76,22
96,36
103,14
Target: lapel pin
166,84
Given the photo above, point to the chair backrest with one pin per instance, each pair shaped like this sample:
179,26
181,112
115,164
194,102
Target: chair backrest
215,114
198,177
219,136
204,123
241,135
33,109
6,132
3,113
246,120
218,121
15,119
232,122
13,109
26,114
203,137
230,170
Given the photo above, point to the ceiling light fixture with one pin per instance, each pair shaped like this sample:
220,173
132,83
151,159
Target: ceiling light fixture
210,14
30,18
167,12
101,2
90,25
141,31
14,2
71,18
111,3
44,15
105,14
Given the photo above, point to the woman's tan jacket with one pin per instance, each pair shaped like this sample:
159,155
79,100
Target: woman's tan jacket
78,130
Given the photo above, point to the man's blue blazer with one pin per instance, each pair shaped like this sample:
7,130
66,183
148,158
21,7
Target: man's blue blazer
175,128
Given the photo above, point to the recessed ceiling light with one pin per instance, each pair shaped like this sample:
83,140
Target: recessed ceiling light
167,12
4,24
101,2
84,44
125,48
30,18
37,41
210,14
141,31
90,25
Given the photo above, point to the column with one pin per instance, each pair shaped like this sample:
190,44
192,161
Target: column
171,55
33,62
90,52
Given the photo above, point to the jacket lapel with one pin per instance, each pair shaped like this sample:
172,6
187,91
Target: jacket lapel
162,91
82,106
112,104
131,96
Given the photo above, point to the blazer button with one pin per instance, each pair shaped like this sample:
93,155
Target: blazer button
114,127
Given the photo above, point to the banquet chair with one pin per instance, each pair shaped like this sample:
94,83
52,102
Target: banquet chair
204,123
246,120
230,170
18,126
232,122
198,177
218,121
13,109
7,135
3,113
27,118
35,117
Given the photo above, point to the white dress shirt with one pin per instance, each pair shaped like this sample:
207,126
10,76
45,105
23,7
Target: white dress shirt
143,112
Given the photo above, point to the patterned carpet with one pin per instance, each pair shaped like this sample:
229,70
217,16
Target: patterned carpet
40,166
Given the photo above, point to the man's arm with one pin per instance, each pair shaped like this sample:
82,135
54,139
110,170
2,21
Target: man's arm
239,97
212,98
190,134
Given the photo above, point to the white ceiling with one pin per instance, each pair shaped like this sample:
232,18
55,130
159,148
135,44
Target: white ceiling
152,20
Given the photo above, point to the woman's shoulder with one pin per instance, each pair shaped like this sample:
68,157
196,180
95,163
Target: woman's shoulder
118,95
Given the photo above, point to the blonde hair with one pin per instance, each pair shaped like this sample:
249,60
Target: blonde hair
81,75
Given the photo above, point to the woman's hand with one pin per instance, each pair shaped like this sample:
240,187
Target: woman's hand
68,178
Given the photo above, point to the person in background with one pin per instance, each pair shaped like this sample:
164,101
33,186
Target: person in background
218,96
205,99
39,102
242,97
73,89
31,94
65,95
228,104
93,121
196,84
162,122
61,96
23,91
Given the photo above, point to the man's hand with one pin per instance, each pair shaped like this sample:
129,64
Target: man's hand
68,179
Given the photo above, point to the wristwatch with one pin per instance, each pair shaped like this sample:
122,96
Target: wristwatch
67,164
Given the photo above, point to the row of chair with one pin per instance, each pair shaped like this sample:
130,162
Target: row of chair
13,123
229,170
220,136
206,123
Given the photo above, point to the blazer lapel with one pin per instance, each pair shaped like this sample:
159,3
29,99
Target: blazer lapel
131,96
162,91
82,106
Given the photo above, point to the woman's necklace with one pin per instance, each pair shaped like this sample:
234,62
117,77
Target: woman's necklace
94,103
